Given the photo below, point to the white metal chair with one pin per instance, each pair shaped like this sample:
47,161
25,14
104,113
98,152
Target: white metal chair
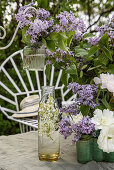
27,123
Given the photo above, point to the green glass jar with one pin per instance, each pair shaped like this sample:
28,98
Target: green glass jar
84,150
34,56
98,154
109,157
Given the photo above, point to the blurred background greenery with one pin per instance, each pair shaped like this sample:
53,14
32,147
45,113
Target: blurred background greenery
93,12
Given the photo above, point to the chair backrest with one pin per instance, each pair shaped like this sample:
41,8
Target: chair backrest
17,82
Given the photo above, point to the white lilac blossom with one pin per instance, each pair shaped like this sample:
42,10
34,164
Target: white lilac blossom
68,22
103,118
86,94
77,118
106,139
48,117
106,81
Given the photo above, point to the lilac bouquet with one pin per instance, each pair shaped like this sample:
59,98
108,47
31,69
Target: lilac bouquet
81,127
34,24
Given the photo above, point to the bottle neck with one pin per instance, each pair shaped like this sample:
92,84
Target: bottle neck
48,91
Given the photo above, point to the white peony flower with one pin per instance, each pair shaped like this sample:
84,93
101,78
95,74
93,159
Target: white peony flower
77,118
106,139
102,119
97,80
107,81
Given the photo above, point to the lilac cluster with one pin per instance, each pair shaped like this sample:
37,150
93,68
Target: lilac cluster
83,127
72,109
35,27
60,54
24,19
78,36
94,40
68,22
65,127
109,27
86,94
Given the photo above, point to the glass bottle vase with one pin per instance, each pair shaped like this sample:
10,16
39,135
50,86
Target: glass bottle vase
34,57
48,134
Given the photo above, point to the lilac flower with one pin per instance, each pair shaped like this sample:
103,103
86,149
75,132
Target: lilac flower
83,127
109,27
48,62
42,14
40,26
68,22
49,53
86,94
78,36
94,41
65,127
71,109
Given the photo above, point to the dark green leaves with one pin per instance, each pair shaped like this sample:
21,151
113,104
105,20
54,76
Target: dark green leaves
84,110
104,40
107,53
93,50
72,69
105,103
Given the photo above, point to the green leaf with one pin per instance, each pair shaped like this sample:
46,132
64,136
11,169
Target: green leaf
69,40
72,69
50,45
48,71
104,40
84,66
106,104
84,110
111,69
43,3
64,78
81,74
91,68
80,51
107,53
25,39
88,35
93,50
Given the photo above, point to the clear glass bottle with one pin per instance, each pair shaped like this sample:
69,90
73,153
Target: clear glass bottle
48,131
34,56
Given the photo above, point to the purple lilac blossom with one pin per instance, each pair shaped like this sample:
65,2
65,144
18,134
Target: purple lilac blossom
72,109
78,36
94,40
48,62
86,94
65,127
37,27
68,22
83,127
109,27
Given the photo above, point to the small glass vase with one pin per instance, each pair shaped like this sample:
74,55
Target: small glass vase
98,154
48,129
34,57
84,150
